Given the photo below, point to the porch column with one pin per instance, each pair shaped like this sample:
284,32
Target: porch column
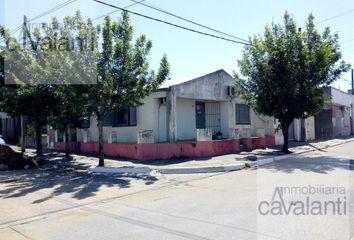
172,115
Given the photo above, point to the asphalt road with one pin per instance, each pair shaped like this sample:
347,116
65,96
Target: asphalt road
63,203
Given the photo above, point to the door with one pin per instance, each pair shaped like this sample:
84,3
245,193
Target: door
200,115
213,116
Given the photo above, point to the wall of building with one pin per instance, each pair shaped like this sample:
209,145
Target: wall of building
323,124
186,121
341,98
309,129
10,129
260,125
150,116
341,121
337,119
226,112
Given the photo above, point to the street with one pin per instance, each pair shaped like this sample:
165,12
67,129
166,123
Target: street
62,203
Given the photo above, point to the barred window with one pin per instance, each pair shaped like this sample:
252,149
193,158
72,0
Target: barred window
243,115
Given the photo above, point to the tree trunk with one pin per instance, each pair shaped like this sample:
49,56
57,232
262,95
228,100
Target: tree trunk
67,152
285,130
23,135
39,140
100,142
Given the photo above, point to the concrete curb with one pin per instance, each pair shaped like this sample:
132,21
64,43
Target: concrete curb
297,154
121,170
265,161
195,170
260,162
227,168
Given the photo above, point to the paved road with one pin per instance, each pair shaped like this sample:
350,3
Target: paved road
62,203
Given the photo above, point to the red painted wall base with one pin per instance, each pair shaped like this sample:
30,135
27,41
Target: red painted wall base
169,150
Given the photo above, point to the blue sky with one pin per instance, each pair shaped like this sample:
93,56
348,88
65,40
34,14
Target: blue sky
192,54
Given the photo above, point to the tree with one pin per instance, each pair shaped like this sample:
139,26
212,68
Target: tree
285,69
73,67
48,78
124,76
35,102
23,92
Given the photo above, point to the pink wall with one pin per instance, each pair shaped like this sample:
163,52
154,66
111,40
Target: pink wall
170,150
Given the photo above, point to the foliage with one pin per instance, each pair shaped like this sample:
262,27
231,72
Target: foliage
285,69
124,75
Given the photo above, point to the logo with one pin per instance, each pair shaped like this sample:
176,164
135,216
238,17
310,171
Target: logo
309,200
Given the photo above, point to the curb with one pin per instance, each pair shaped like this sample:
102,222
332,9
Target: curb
228,168
265,161
297,154
121,170
260,162
196,170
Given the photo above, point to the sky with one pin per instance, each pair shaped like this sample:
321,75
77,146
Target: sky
191,54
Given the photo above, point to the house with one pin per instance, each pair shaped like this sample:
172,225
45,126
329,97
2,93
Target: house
196,117
336,119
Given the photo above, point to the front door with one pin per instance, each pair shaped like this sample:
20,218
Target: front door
200,115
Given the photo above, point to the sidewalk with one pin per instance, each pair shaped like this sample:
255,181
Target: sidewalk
223,163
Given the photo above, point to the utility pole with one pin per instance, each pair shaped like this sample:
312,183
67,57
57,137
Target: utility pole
23,132
352,106
352,81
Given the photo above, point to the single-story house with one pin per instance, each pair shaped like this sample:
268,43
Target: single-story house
336,119
195,117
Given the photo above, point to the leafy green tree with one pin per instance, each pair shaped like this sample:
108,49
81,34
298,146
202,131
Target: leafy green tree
58,62
35,102
124,76
285,69
73,66
23,92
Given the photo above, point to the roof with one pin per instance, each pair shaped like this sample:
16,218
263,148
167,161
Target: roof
174,82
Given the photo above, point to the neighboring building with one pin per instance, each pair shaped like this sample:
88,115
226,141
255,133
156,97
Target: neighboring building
188,118
336,119
10,128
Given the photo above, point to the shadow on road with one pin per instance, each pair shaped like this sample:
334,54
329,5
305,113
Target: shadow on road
320,164
62,179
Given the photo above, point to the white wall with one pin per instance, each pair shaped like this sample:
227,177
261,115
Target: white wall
258,122
186,121
341,98
150,116
226,113
309,129
161,124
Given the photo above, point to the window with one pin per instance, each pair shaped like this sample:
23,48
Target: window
243,115
126,117
123,118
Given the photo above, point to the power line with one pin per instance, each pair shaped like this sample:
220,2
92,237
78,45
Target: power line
187,20
107,14
336,16
42,15
348,47
351,40
171,24
53,9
